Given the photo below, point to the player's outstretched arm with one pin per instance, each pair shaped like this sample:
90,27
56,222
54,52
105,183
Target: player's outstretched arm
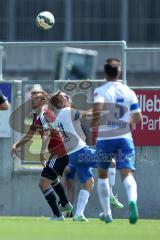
97,109
26,138
87,114
80,114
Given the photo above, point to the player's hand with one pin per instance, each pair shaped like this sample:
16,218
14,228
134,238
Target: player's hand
43,159
14,149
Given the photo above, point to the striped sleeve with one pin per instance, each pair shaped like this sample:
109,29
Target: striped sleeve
46,118
44,123
134,105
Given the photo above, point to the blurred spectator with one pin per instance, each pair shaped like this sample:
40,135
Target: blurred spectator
4,105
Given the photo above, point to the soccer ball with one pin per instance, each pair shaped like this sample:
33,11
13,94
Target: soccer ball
45,20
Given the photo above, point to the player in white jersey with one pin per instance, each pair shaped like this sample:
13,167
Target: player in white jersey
81,157
115,108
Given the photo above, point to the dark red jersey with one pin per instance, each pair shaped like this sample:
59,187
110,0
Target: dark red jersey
41,124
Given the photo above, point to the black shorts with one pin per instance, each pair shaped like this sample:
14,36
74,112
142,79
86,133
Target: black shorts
55,166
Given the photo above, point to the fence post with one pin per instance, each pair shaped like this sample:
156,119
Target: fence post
1,63
68,20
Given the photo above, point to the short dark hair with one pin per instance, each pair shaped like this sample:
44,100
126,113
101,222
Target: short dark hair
112,67
55,99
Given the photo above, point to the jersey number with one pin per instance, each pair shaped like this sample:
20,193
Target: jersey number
64,134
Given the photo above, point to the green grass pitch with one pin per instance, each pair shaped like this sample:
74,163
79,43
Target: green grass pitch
39,228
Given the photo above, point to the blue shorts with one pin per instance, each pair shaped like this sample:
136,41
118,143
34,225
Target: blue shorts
121,149
83,161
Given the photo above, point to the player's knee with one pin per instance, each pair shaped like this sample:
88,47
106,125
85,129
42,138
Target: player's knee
44,184
89,184
40,183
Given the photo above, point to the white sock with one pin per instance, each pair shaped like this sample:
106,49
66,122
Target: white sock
111,177
82,202
104,195
131,188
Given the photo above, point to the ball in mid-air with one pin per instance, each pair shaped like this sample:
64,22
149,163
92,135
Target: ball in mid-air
45,20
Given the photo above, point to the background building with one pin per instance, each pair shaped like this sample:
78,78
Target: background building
77,20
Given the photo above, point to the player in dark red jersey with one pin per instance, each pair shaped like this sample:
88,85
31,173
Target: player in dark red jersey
58,160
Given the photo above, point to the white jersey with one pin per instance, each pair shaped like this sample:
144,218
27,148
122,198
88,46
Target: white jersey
67,120
119,102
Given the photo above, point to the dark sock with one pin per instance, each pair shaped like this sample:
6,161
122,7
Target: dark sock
69,215
51,199
59,189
